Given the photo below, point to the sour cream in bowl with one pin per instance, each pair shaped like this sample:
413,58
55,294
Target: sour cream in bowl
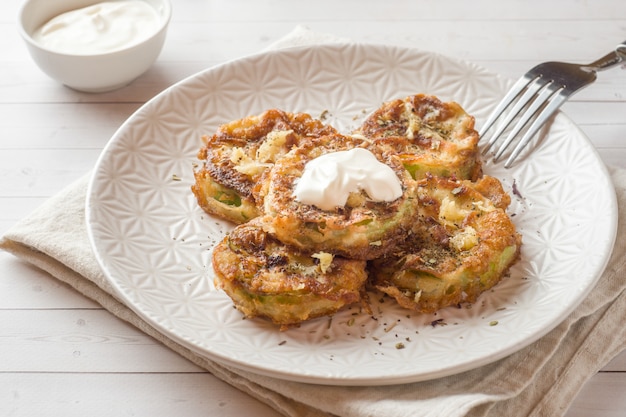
91,45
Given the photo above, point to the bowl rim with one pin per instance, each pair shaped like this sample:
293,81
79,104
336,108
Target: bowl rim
166,14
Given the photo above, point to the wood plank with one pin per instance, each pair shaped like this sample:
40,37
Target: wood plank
43,173
15,208
221,40
102,117
516,10
613,157
605,136
247,10
25,287
597,113
601,396
187,394
26,83
106,395
81,340
618,364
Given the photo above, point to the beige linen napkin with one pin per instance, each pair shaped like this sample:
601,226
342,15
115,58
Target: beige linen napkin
540,380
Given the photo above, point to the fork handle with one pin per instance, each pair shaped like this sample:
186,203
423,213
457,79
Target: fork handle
611,59
621,50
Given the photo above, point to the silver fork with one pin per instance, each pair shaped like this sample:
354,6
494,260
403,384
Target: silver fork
540,92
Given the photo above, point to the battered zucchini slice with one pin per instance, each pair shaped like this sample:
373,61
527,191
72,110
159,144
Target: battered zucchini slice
237,155
462,245
428,135
266,278
222,201
360,229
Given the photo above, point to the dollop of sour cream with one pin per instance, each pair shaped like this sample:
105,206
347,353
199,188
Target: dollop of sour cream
328,180
103,27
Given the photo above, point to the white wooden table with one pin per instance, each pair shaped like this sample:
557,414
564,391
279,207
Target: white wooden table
61,354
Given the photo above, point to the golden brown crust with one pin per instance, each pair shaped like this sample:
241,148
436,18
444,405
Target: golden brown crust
430,136
492,189
266,278
462,246
363,229
236,157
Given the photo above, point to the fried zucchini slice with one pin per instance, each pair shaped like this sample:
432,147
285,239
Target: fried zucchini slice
462,245
225,202
429,136
237,155
360,229
266,278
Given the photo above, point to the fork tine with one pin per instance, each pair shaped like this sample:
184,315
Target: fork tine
544,96
545,114
517,88
537,95
531,89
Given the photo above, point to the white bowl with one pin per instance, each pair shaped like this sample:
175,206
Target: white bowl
98,72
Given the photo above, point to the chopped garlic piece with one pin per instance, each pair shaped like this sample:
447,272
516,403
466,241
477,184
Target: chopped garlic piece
246,165
465,239
480,205
450,213
271,146
325,258
414,121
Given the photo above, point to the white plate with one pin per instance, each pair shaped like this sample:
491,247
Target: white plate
153,242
